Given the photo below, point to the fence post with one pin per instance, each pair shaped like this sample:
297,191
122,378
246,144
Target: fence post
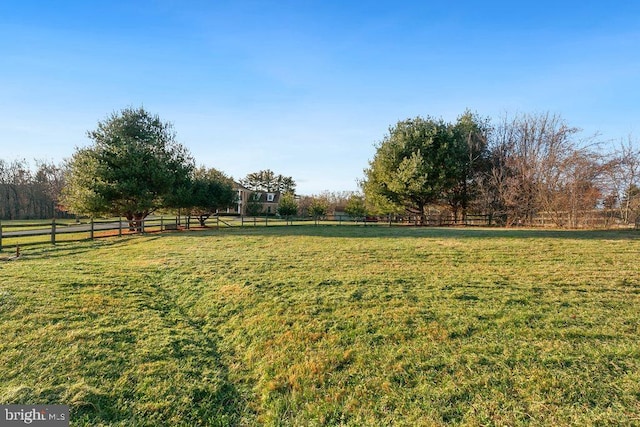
53,231
0,235
161,223
142,226
91,229
119,226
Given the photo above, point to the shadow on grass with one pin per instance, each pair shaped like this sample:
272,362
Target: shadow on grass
137,356
64,249
165,370
377,231
187,385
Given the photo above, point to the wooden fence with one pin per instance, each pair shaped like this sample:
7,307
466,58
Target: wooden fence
15,234
19,233
29,233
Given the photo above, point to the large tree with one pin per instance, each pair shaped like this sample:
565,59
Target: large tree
133,168
416,164
268,181
208,191
536,164
468,161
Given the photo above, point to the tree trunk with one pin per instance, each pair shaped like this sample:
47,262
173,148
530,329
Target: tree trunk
202,219
138,218
129,217
455,213
135,221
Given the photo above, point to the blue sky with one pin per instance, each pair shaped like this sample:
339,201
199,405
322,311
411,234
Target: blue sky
306,88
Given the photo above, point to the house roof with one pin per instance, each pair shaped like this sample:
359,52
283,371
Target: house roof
238,186
264,197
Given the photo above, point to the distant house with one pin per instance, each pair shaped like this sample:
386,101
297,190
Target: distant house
268,200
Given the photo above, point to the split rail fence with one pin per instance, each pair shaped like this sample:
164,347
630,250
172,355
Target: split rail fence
14,234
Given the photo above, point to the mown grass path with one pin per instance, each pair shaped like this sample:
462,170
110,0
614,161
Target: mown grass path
328,326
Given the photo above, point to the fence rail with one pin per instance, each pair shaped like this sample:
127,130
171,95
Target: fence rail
18,233
21,233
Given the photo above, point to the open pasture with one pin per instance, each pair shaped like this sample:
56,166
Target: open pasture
328,325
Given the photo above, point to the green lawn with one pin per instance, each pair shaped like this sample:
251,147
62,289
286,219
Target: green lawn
328,325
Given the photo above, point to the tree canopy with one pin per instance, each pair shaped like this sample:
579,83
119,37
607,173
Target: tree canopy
318,208
208,191
356,207
27,193
287,206
134,167
423,161
268,181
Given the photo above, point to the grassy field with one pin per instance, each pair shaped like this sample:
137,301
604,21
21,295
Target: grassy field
309,325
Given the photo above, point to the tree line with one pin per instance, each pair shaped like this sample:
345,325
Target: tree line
25,193
513,171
